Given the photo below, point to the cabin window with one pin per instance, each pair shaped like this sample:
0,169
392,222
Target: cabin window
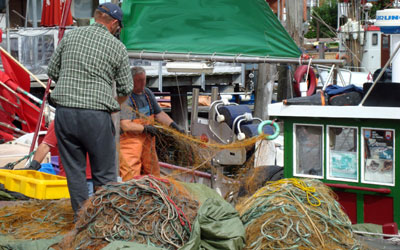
385,42
342,153
374,39
378,156
308,151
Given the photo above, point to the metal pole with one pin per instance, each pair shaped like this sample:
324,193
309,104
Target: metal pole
380,75
35,38
34,13
26,14
8,25
229,59
195,106
279,10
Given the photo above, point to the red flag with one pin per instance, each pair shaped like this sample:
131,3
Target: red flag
52,12
8,101
6,136
5,118
26,110
6,133
15,72
30,115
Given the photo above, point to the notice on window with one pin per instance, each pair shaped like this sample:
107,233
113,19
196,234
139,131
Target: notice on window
378,155
343,160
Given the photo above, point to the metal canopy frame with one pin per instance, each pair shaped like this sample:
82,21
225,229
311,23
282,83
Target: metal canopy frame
166,56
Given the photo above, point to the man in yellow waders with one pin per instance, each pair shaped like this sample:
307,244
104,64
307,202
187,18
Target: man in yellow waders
138,154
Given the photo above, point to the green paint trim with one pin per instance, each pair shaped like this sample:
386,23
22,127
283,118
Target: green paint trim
359,123
360,208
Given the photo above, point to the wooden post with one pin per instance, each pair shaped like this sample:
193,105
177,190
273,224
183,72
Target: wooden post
294,22
283,83
263,95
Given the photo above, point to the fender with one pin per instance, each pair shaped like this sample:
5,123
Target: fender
299,75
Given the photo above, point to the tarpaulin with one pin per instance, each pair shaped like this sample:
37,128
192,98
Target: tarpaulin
217,227
229,27
52,12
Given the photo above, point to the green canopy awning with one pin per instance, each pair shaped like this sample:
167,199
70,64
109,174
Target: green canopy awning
220,27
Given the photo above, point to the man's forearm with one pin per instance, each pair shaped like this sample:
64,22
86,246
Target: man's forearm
131,127
163,118
121,99
41,152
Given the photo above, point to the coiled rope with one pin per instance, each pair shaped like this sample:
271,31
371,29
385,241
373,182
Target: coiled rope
296,214
147,210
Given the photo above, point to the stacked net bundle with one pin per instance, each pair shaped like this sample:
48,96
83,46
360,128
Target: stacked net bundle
36,219
146,210
296,214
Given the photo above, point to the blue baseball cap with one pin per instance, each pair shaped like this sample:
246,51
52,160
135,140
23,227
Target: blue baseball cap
112,10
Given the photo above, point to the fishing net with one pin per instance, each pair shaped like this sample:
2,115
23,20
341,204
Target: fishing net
198,153
147,210
295,214
36,219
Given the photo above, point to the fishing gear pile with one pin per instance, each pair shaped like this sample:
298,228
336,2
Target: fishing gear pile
296,214
146,210
36,219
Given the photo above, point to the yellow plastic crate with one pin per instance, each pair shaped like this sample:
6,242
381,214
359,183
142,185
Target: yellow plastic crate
35,184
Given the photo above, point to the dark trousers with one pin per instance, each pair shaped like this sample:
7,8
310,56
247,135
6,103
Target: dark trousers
81,131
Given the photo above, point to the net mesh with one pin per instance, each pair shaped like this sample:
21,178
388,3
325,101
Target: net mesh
147,210
296,214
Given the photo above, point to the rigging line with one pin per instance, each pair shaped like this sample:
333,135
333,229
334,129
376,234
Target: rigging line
180,97
332,30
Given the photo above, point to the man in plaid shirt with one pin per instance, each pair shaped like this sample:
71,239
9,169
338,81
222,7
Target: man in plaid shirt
84,66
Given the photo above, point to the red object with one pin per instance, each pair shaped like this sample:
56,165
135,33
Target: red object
349,204
345,186
52,13
300,73
6,133
390,228
51,140
6,136
9,106
373,28
15,72
26,110
1,35
378,209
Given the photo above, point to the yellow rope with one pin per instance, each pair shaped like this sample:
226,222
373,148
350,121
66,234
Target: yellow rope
277,185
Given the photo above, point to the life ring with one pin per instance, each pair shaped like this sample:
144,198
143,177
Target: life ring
345,57
299,75
269,122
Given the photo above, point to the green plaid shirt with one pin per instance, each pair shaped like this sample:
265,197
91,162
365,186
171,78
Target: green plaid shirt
84,65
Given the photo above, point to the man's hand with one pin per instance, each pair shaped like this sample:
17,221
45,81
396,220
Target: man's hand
35,165
177,127
150,130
